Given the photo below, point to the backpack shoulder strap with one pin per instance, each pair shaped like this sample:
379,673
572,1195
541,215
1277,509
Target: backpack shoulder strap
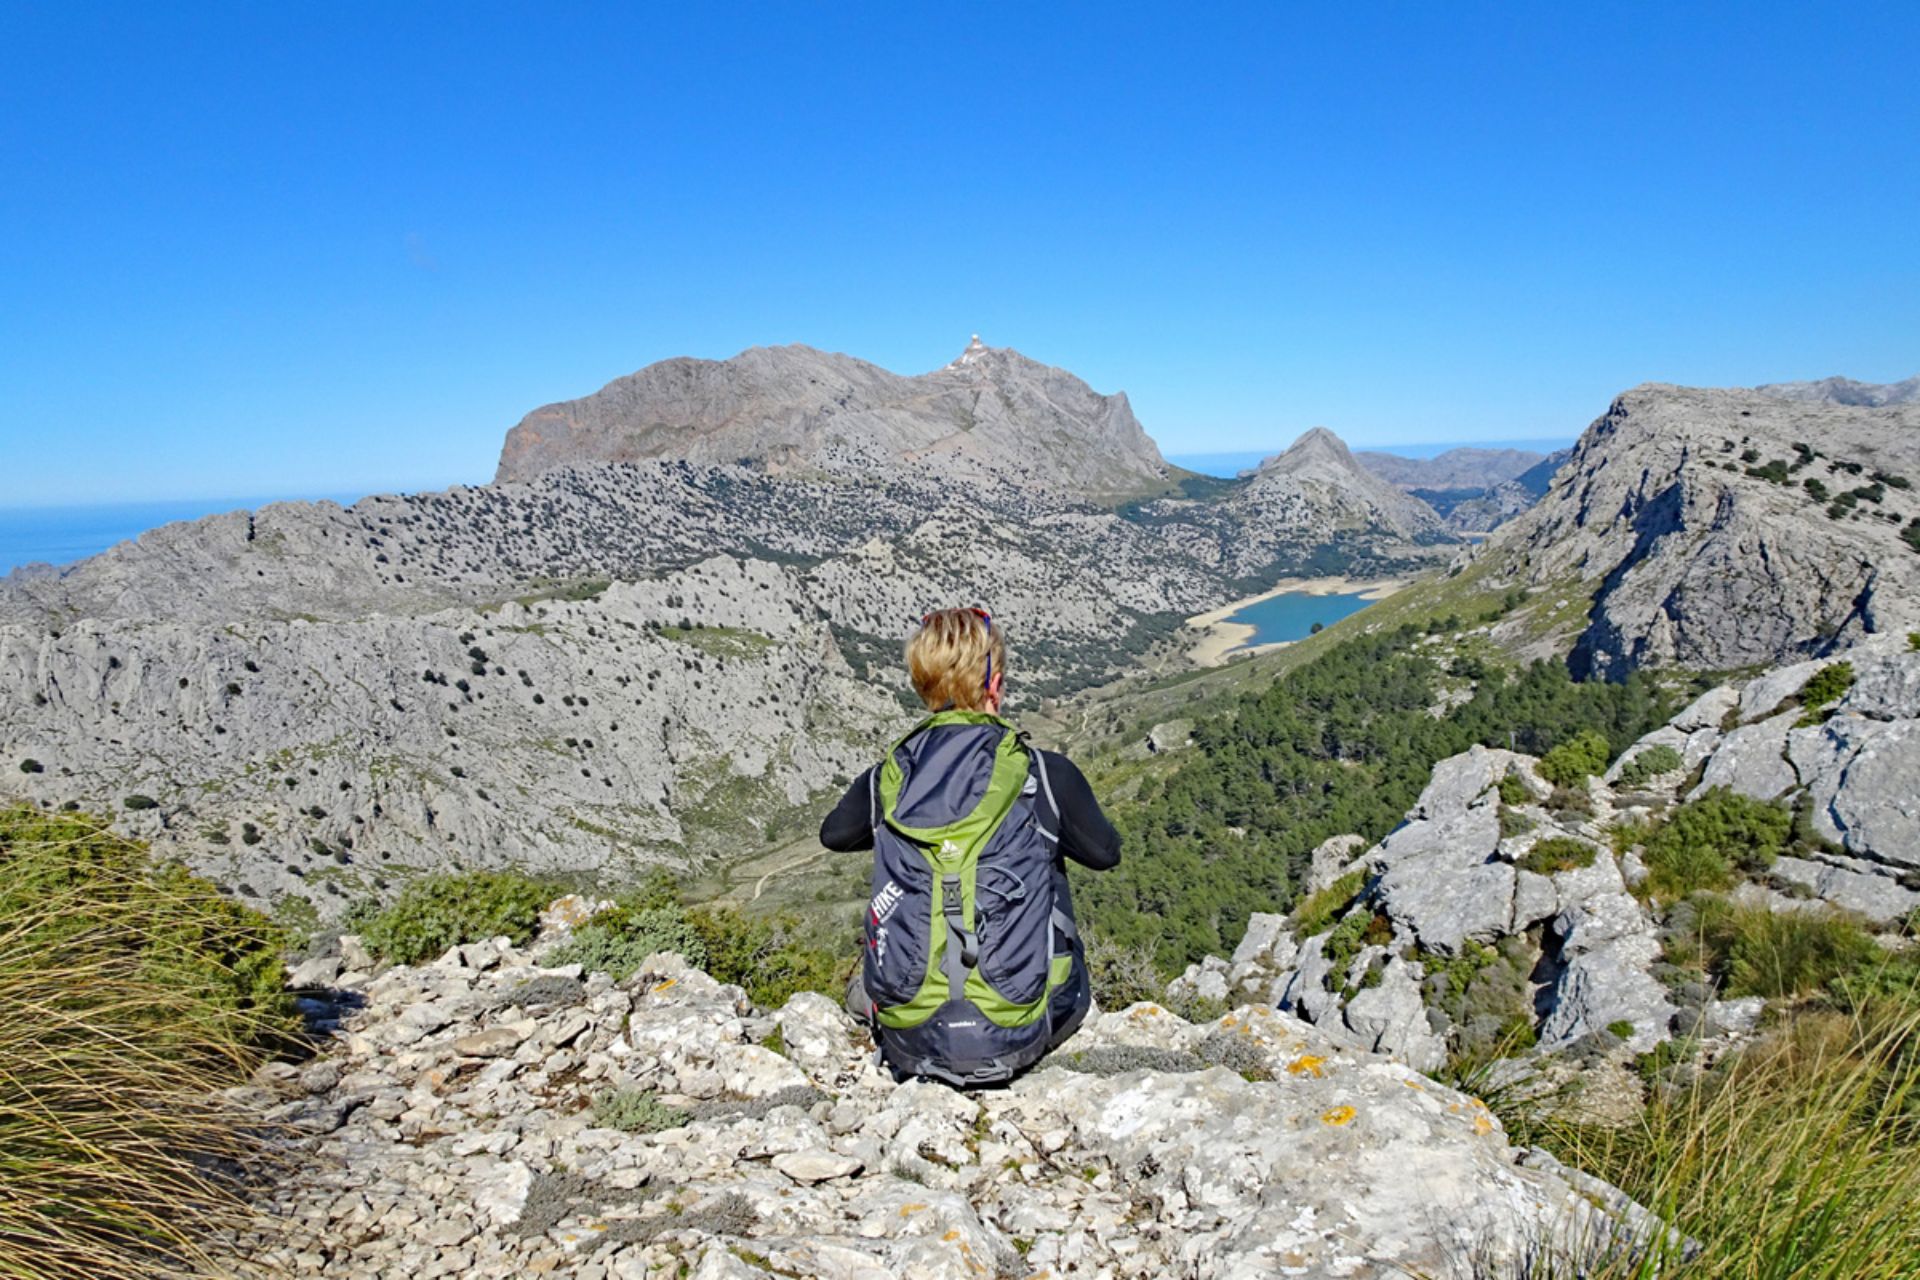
873,798
1039,759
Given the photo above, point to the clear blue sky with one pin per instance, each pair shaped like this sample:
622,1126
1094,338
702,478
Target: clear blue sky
290,247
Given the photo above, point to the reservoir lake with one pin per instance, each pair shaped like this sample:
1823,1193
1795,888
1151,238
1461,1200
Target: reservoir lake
1291,616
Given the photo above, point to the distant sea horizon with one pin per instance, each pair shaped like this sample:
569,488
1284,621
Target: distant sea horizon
60,535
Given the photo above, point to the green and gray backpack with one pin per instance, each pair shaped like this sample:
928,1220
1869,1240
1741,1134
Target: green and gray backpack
972,962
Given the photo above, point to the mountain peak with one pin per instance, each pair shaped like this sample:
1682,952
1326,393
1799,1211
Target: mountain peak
793,407
1316,450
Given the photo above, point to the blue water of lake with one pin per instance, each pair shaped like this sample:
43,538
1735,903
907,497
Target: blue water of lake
1291,615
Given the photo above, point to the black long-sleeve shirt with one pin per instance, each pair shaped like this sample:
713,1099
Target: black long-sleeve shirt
1085,834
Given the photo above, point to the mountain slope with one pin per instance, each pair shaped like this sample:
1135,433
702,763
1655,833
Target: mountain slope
1718,529
992,413
1464,468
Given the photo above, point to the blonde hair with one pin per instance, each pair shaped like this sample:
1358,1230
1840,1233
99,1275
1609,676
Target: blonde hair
951,659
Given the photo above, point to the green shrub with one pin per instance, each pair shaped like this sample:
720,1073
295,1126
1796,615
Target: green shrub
1706,842
636,1111
1828,685
1648,764
441,911
1621,1030
1577,759
1759,952
1318,910
1486,993
772,957
1512,790
1558,853
31,765
1122,976
617,941
1360,930
130,995
1571,802
1513,822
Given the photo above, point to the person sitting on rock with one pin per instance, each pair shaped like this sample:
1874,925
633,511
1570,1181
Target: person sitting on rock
972,967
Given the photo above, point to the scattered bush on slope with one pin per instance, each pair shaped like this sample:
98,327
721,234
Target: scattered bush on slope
129,995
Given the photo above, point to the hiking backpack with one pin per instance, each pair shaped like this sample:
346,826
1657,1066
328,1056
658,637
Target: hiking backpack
972,961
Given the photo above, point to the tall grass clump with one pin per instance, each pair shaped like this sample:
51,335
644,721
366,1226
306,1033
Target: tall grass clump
130,993
1796,1157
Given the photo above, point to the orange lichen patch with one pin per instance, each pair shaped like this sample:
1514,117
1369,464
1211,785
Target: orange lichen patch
1415,1085
1482,1125
907,1209
1144,1011
1263,1011
670,982
1307,1064
1229,1022
1338,1116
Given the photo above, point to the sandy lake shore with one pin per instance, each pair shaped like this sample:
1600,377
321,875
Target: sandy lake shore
1223,639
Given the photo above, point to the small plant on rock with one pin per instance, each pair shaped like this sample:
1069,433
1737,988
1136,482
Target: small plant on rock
1828,685
1648,764
617,942
1558,853
1318,910
636,1111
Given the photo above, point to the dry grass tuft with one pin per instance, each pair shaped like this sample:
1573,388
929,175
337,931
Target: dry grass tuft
129,996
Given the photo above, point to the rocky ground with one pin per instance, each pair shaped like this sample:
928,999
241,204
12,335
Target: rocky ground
1455,930
449,1127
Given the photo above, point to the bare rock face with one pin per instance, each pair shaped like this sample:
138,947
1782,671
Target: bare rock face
991,413
1720,529
449,1129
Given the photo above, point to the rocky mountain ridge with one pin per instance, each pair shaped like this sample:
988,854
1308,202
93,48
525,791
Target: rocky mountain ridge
1721,529
990,415
1837,390
494,1113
